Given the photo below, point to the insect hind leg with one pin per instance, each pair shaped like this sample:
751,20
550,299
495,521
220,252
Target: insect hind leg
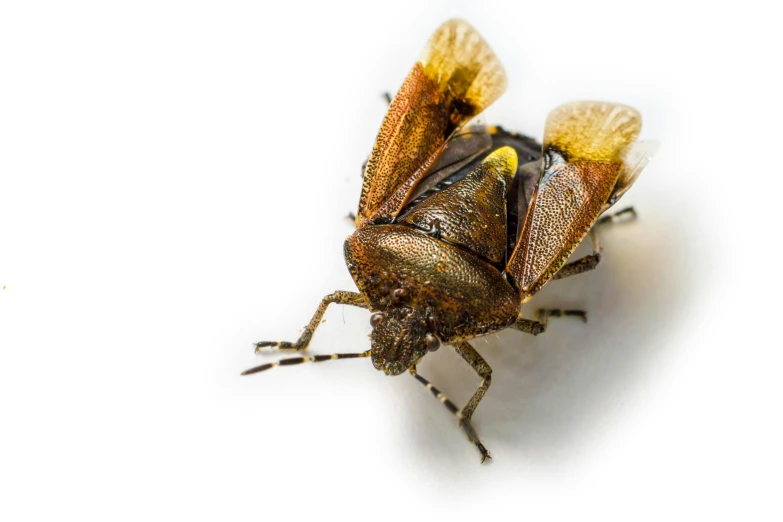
540,324
477,362
589,262
339,297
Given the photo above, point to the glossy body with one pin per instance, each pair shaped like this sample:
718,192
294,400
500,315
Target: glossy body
445,253
458,226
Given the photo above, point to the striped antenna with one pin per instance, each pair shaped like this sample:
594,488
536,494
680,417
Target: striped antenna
299,360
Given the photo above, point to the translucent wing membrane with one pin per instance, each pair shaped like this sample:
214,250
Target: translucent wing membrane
636,158
589,159
457,77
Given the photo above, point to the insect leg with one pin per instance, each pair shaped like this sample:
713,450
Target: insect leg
478,363
299,360
339,297
464,422
591,261
542,320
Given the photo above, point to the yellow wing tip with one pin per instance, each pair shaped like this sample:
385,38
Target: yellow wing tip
462,63
592,130
455,24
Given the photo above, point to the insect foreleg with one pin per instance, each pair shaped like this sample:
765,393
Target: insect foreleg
589,262
339,297
464,421
478,363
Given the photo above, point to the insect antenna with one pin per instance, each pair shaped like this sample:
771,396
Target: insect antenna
299,360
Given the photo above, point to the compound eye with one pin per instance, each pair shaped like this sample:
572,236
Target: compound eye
432,343
399,294
375,319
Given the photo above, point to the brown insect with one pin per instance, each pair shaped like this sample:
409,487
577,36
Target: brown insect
458,225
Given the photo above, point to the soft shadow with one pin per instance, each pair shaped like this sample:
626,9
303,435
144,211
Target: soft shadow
551,394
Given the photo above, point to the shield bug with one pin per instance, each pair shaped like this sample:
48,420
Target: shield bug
458,226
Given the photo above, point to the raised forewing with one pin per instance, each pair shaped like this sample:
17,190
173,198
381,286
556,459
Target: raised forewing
457,77
585,147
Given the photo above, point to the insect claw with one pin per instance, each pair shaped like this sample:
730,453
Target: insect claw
261,345
484,452
628,213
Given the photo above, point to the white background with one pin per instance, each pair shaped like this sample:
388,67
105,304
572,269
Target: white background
173,181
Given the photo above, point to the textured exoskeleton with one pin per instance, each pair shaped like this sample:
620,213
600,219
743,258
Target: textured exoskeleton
458,226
